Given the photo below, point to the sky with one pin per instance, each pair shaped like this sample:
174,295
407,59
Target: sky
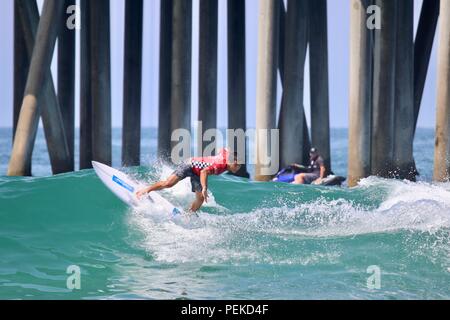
338,47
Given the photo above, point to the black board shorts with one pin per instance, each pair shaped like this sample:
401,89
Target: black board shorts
183,171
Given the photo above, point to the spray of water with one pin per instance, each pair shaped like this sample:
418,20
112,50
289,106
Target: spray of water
297,232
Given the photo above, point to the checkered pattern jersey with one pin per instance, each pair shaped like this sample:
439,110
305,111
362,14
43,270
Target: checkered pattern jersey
200,164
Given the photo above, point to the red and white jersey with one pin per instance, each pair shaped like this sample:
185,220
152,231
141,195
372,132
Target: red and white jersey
214,165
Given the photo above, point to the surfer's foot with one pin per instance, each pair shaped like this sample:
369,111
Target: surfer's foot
189,213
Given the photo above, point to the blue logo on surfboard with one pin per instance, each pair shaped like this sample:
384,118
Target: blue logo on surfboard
122,183
175,212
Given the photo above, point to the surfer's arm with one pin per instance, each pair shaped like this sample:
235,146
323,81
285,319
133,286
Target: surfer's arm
204,182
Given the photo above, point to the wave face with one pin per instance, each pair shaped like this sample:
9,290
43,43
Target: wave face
255,241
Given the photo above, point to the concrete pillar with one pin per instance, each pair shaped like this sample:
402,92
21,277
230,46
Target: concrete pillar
291,113
180,101
282,39
404,92
29,18
306,140
85,87
207,96
442,142
101,80
21,65
165,78
236,35
423,46
384,90
39,88
360,104
132,83
318,70
266,90
66,80
51,111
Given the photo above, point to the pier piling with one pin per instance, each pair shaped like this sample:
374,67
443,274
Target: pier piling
384,90
360,108
404,92
39,97
318,71
21,65
66,81
207,95
266,87
85,87
282,45
132,83
100,80
442,142
291,113
180,101
236,36
165,78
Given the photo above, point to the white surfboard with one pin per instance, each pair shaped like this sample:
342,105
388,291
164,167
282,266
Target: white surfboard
125,189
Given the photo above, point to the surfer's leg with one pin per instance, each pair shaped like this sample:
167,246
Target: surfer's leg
197,189
198,202
299,179
168,183
181,172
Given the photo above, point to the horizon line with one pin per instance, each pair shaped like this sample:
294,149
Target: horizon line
220,128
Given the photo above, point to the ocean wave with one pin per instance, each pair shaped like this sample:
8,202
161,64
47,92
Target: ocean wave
53,222
260,234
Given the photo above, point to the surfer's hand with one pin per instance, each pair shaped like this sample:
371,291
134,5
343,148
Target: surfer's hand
140,193
205,195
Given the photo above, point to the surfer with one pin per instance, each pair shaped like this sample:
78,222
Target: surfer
198,169
316,170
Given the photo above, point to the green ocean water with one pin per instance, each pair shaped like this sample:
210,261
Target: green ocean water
256,241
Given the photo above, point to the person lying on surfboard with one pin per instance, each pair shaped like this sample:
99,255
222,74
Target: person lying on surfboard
198,169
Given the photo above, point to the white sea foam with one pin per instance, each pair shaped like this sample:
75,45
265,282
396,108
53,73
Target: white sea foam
278,234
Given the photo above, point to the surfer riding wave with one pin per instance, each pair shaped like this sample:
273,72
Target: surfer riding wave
198,169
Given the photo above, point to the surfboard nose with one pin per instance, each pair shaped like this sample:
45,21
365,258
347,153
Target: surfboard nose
94,163
99,165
